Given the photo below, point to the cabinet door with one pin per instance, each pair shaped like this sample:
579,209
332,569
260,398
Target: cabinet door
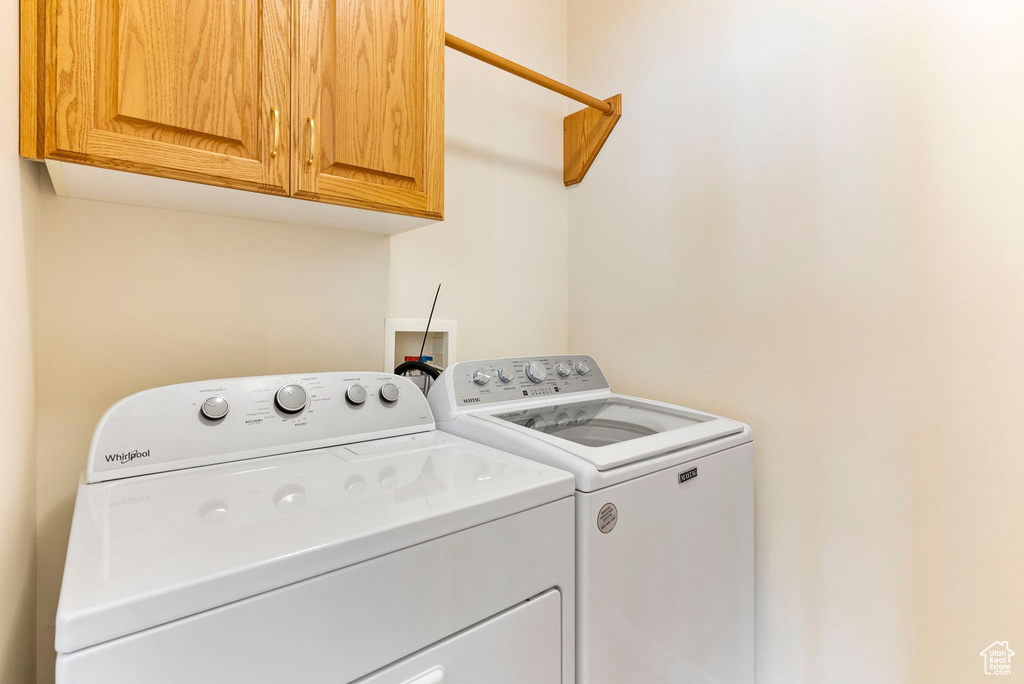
195,90
369,108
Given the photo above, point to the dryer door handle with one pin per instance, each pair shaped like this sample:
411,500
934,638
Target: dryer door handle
434,676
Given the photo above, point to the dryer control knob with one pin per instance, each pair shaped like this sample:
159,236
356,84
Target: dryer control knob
506,374
481,377
356,394
563,369
291,398
582,367
536,372
389,392
214,408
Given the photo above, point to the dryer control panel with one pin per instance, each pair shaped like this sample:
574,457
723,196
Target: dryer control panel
216,421
472,383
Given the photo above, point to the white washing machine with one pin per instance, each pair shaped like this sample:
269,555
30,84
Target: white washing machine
312,529
664,513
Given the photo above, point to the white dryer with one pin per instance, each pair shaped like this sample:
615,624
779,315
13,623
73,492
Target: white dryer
664,513
312,529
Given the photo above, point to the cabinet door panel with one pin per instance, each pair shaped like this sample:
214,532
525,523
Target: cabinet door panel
179,88
371,78
153,86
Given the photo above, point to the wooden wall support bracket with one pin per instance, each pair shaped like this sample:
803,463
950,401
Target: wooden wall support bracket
583,133
583,136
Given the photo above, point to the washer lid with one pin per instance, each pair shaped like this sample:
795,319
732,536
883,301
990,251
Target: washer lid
614,430
147,550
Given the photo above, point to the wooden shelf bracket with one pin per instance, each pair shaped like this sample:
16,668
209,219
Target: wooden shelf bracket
583,133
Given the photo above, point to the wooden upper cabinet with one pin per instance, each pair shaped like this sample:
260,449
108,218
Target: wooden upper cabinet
368,126
187,89
335,101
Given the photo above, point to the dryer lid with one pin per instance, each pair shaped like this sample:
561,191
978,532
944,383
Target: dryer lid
615,430
147,550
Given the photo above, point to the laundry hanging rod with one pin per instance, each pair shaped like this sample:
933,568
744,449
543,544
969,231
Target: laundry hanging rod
477,52
583,133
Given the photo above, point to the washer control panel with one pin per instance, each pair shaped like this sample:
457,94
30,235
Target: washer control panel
199,423
498,380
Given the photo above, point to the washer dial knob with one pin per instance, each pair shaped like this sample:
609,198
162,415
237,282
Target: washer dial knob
481,377
582,367
506,374
291,398
563,369
356,394
536,372
390,392
214,408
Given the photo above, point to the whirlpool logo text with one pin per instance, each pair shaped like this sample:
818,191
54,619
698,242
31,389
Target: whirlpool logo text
127,456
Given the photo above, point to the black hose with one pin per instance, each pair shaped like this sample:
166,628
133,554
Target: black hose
432,371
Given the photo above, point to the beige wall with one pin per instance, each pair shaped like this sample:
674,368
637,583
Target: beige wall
132,298
19,213
500,252
811,218
19,210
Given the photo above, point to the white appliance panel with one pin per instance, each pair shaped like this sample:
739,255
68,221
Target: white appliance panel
350,623
576,412
664,515
520,646
616,430
480,383
482,429
310,528
667,594
147,550
165,428
602,422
